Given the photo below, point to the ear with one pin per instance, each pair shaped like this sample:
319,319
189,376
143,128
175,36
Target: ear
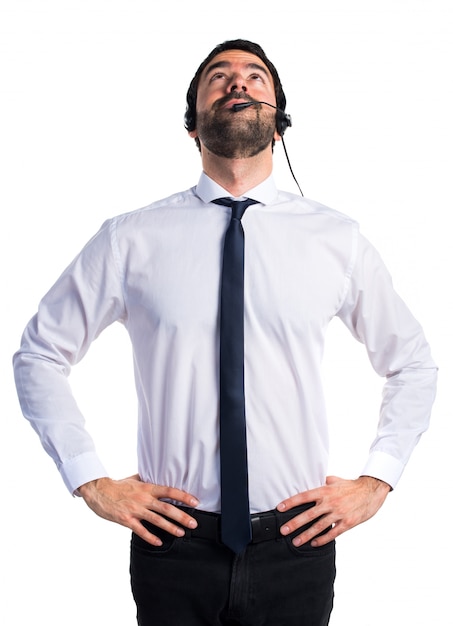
193,133
277,137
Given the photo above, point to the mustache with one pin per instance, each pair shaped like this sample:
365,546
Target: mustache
234,95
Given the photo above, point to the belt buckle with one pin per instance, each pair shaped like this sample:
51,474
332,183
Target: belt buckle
264,527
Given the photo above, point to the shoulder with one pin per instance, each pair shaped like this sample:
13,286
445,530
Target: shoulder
306,206
178,200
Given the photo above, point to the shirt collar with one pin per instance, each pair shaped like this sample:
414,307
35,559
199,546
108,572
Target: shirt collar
208,190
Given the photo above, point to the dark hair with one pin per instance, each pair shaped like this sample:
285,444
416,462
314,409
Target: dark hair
190,118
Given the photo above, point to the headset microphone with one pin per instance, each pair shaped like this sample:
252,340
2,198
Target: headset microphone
283,121
243,105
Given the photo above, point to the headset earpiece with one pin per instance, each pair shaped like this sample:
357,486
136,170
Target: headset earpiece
283,121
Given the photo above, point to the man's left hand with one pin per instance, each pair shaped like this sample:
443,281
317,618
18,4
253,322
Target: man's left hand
340,504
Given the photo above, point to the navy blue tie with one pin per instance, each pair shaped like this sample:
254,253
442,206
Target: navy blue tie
235,512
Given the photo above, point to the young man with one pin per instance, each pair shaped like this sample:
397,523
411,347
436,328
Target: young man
158,271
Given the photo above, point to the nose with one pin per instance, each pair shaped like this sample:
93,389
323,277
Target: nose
237,83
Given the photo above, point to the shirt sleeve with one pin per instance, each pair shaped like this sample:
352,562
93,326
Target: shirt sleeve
377,316
85,299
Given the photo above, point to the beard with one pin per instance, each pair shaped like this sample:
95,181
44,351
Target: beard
236,135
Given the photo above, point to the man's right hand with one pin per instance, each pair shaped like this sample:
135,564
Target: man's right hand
128,501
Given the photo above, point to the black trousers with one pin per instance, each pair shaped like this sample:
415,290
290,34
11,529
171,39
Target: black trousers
194,581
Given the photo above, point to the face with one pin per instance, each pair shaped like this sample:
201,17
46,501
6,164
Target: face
232,77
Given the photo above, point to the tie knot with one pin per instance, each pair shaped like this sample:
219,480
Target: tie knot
237,206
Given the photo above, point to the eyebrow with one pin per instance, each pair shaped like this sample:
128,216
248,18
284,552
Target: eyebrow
219,64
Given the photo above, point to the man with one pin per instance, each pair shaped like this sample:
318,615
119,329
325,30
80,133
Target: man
158,271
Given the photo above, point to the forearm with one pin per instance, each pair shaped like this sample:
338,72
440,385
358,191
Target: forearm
404,416
48,404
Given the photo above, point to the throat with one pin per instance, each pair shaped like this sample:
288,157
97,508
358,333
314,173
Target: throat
237,176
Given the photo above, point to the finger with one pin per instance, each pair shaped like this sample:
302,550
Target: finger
305,519
319,533
301,521
154,499
173,493
165,524
305,497
171,515
137,527
327,537
134,520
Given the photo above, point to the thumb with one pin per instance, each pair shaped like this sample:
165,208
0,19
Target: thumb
331,480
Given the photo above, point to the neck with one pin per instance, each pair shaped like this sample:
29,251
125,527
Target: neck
237,175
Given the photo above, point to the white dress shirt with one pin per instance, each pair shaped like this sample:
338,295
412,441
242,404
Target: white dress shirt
156,270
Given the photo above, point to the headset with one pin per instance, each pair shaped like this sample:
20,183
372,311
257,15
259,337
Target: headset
283,121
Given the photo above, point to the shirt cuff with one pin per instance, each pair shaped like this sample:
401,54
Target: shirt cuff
80,470
384,467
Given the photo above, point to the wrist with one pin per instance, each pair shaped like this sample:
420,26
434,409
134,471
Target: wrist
376,483
90,486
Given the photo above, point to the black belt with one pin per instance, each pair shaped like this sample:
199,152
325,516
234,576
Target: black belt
265,526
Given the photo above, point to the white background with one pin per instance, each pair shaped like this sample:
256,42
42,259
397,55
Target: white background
92,97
